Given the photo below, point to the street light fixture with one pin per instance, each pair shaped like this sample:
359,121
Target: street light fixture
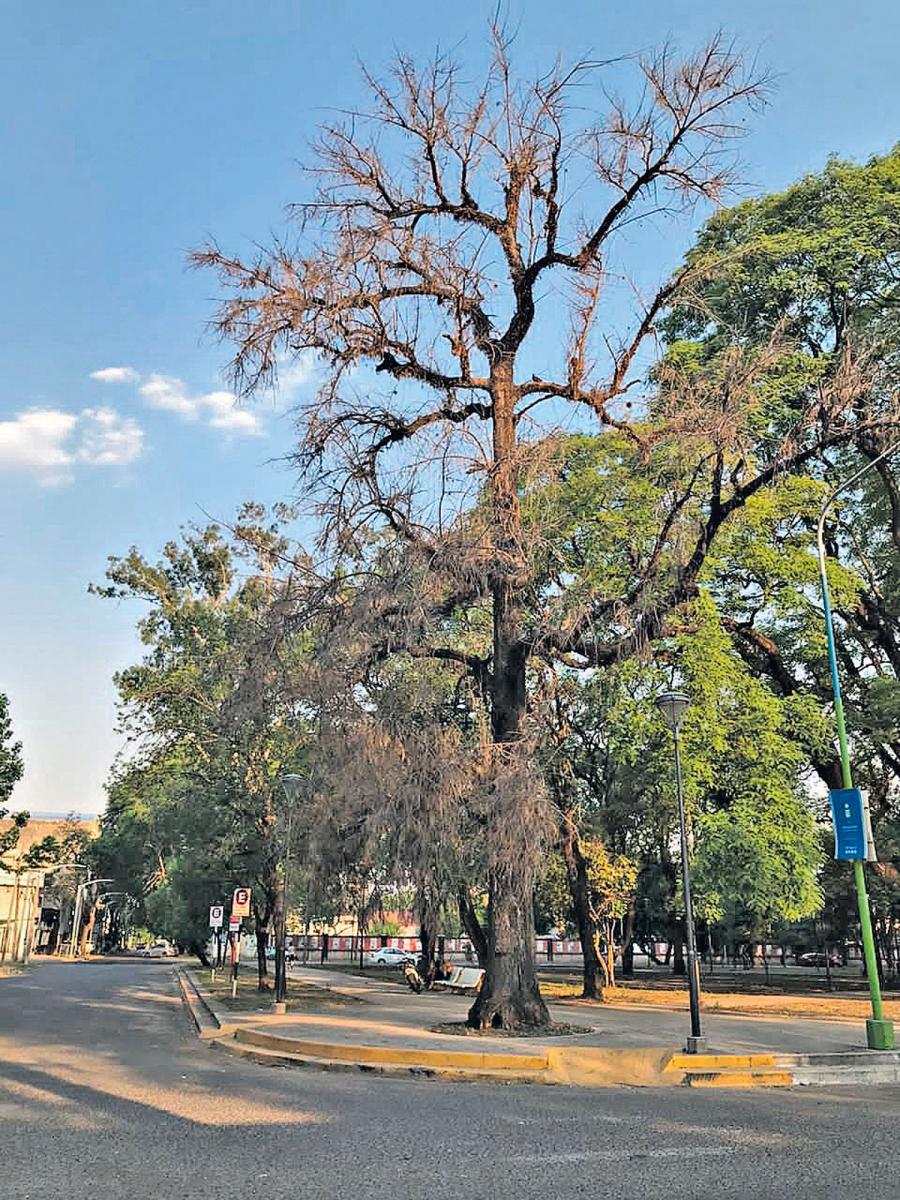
672,707
879,1030
293,786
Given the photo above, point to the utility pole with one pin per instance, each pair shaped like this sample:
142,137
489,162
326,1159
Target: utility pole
879,1030
293,786
673,706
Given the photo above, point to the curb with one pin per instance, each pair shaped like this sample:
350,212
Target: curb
854,1067
205,1019
579,1066
572,1065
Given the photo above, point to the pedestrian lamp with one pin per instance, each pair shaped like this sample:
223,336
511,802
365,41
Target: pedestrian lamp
673,706
293,786
879,1031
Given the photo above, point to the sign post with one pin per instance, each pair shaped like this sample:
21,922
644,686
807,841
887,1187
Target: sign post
234,934
216,917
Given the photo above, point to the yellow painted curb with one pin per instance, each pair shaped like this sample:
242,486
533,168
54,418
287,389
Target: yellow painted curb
580,1066
596,1066
719,1062
741,1079
398,1055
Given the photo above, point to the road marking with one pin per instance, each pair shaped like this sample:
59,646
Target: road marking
613,1155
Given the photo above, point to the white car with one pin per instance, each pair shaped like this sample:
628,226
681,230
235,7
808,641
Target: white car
161,949
389,956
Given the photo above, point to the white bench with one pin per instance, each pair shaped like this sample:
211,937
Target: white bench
463,979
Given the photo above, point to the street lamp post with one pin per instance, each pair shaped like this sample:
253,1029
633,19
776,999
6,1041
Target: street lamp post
67,867
292,785
79,903
672,706
879,1031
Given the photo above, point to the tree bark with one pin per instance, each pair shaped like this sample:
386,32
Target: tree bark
579,889
199,950
262,965
428,941
628,939
472,925
510,996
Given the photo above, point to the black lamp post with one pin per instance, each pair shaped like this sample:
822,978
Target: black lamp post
293,785
673,706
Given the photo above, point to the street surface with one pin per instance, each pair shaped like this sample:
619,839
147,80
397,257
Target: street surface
105,1093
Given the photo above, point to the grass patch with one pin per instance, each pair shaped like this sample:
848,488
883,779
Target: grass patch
250,999
759,1001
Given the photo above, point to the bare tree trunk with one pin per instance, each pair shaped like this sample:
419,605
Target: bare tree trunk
579,889
262,965
628,939
472,925
199,950
510,995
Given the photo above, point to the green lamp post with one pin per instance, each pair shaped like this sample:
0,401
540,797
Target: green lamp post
879,1031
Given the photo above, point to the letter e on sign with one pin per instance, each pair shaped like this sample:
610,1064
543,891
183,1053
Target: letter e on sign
240,904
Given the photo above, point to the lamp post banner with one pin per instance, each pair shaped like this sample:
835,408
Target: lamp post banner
848,814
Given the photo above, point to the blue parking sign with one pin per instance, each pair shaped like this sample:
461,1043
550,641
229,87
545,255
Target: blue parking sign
849,823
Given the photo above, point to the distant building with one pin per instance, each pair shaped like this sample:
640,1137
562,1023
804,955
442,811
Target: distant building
29,920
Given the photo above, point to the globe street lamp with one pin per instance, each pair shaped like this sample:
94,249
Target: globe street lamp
879,1030
673,706
293,786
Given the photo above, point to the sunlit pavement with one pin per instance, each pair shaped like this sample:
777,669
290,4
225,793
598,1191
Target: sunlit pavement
105,1093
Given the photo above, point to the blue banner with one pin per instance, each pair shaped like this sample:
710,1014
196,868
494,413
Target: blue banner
849,823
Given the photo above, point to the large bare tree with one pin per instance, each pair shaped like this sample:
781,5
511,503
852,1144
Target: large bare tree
457,276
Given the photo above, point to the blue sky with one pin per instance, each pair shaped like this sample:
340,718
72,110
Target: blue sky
132,132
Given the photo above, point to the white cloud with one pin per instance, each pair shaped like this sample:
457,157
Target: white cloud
116,375
35,440
218,409
47,442
169,394
224,413
109,439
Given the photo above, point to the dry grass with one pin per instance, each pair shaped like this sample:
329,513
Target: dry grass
827,1006
250,999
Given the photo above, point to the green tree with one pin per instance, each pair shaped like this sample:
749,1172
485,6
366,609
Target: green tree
214,724
11,770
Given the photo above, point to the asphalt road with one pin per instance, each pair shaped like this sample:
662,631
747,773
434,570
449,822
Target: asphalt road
105,1093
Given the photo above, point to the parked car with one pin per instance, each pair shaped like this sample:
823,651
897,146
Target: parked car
817,958
161,949
390,956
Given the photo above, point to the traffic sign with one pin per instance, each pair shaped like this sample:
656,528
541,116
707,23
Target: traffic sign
216,916
240,904
849,824
234,924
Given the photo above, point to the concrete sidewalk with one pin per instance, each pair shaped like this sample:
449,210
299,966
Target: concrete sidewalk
389,1029
401,1015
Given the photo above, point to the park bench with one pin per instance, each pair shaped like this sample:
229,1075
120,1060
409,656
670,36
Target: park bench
463,979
